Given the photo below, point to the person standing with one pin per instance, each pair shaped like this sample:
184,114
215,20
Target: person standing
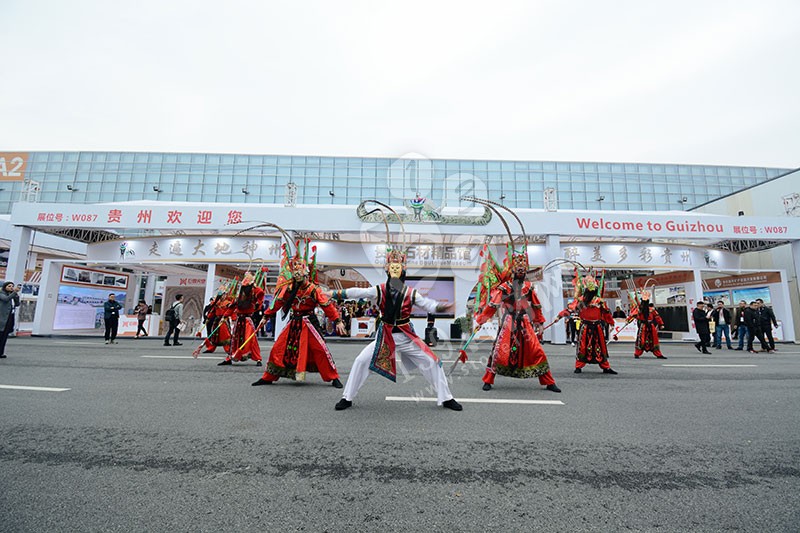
111,318
141,316
768,320
9,298
742,330
173,317
648,322
700,316
753,320
517,352
618,313
722,320
208,316
244,341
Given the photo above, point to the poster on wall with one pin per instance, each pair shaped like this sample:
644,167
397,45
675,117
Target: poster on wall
96,278
82,307
670,295
717,296
441,289
752,294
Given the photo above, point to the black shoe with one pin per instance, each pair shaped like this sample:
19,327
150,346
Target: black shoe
177,344
3,356
343,404
636,356
661,357
738,349
261,381
699,347
452,404
225,362
165,344
208,351
553,388
258,363
718,347
609,371
577,370
336,384
706,352
487,386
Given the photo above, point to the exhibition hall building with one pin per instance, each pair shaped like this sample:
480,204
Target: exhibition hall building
79,225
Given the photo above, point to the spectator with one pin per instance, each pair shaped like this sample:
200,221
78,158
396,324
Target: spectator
740,325
618,313
207,318
9,297
111,318
141,316
722,321
173,317
573,325
701,318
767,318
753,320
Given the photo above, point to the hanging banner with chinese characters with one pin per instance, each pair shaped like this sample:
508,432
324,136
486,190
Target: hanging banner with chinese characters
242,249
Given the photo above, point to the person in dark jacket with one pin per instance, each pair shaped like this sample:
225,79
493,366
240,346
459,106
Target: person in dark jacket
208,318
753,321
9,298
722,320
768,320
111,317
739,324
701,317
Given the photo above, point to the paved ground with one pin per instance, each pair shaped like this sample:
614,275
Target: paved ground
141,443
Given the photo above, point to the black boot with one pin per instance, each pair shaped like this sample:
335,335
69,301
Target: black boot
261,381
452,404
699,347
706,351
661,357
577,370
553,388
337,384
343,404
609,371
225,362
258,363
487,386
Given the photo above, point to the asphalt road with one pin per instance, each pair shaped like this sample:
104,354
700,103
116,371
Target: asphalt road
143,443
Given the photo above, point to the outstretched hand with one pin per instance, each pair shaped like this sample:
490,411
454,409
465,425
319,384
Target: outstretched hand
340,329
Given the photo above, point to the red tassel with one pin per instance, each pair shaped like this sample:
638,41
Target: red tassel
462,356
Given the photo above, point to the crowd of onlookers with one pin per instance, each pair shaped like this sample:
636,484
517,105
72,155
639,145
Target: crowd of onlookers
748,322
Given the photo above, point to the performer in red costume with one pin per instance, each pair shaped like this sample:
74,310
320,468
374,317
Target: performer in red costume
300,348
649,322
593,312
517,352
244,343
220,317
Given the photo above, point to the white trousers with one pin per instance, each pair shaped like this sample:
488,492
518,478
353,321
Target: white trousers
411,357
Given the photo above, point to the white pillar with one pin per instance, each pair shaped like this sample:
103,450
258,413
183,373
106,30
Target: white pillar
150,289
18,254
210,286
48,298
553,292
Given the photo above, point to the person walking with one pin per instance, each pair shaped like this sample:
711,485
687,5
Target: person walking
9,298
141,316
753,320
173,317
768,320
740,325
701,318
722,320
111,318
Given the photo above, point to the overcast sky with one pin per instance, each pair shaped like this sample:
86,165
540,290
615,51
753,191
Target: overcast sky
670,81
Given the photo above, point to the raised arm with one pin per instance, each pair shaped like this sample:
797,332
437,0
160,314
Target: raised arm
355,293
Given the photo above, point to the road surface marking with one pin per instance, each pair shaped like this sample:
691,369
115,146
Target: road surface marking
178,357
713,366
21,387
475,400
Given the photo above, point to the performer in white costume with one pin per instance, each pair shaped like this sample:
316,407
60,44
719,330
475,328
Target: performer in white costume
395,336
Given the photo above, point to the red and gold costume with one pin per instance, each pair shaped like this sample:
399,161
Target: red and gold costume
649,322
221,315
516,352
593,312
244,343
300,347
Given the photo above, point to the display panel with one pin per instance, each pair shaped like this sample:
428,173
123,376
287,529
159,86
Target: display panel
82,307
441,289
670,295
752,294
716,296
